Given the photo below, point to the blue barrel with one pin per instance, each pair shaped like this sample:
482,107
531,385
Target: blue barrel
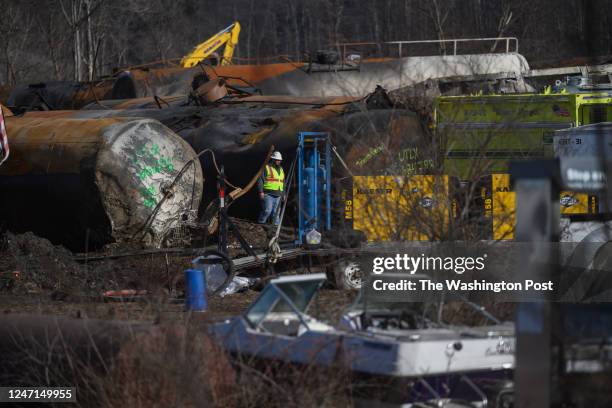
195,290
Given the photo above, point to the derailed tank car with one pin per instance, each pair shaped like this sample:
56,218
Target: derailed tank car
371,138
318,79
315,79
88,182
54,95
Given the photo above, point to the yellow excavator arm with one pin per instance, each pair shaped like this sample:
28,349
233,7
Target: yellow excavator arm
227,36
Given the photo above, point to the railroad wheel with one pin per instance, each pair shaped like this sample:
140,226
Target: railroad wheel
346,274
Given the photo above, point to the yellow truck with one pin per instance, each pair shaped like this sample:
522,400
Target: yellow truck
480,135
477,137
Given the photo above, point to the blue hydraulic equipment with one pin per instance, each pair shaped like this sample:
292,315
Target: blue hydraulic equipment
314,186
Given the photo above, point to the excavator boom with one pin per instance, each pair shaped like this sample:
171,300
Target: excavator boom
227,37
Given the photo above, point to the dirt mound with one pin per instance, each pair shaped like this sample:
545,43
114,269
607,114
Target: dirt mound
35,264
257,235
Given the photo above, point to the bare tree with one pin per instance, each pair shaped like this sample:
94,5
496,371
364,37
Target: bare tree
438,16
78,13
503,24
15,31
84,39
54,40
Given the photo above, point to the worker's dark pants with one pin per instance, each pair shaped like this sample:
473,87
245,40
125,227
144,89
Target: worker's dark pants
269,208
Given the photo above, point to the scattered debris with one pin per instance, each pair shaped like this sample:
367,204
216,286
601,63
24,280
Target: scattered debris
238,284
124,295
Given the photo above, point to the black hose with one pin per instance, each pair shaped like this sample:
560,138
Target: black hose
225,261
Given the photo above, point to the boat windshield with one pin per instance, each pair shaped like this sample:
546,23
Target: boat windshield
285,298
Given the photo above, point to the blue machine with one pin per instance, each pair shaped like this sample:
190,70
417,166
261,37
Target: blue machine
314,186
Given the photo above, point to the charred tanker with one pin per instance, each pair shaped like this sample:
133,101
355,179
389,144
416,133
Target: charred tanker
55,95
89,182
317,78
370,136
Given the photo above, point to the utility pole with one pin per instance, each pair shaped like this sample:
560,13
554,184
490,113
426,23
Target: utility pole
537,341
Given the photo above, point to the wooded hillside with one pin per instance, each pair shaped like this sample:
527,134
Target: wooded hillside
84,39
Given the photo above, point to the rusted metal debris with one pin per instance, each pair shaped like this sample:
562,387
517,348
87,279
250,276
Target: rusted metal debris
87,182
124,295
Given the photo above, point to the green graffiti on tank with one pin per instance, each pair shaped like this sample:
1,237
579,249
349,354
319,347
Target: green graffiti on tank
150,161
148,193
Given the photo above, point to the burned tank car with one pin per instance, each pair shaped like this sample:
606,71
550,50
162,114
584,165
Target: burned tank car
374,142
370,140
89,182
141,82
56,95
316,79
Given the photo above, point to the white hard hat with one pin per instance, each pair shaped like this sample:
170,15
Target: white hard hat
276,156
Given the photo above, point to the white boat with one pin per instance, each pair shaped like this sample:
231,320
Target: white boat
389,341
